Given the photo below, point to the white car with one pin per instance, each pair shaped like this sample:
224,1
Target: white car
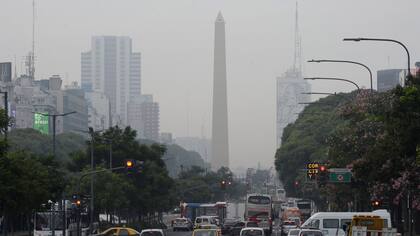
294,232
287,226
152,232
182,224
252,231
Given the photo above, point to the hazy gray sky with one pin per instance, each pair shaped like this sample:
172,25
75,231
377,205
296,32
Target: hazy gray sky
175,38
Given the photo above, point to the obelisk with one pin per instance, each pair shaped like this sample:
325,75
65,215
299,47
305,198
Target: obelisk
220,140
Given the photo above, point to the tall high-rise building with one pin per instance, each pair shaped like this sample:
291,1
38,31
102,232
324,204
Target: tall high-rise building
220,141
112,68
290,89
388,79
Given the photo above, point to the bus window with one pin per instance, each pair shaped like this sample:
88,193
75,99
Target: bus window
330,223
345,222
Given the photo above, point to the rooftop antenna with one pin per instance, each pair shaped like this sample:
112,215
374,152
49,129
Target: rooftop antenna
297,64
32,59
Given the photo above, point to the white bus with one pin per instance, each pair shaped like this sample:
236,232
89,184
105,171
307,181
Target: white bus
258,208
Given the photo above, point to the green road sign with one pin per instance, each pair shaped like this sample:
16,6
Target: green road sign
340,176
41,123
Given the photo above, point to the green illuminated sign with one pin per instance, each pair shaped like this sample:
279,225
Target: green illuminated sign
41,123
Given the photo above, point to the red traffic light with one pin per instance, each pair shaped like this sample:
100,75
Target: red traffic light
296,183
322,168
78,202
223,182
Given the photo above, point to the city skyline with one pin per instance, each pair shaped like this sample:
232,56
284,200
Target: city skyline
259,49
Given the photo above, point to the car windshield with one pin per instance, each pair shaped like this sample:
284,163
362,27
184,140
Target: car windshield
251,232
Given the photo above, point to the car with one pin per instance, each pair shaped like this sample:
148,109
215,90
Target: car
310,232
237,227
152,232
205,220
293,232
119,231
250,224
182,224
252,231
207,232
227,225
287,225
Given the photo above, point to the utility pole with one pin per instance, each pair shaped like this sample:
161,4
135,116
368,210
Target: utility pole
54,121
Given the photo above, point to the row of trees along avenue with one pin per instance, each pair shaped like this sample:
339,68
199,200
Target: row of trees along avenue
30,176
375,135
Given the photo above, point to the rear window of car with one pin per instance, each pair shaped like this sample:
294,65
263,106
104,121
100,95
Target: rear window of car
251,232
152,233
123,232
180,220
289,223
251,224
330,223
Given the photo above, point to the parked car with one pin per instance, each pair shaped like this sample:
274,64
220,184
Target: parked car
152,232
182,224
252,231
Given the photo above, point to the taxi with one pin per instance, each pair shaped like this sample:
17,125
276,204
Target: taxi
119,231
207,232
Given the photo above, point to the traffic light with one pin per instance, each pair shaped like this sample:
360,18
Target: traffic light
322,168
223,184
323,175
133,165
129,164
376,203
296,183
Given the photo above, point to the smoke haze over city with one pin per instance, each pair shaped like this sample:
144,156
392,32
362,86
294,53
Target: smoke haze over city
175,39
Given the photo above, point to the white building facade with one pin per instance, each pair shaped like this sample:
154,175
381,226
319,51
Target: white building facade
111,68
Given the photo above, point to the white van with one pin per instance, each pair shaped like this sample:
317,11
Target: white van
331,223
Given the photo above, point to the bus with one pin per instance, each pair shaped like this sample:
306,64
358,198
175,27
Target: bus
47,221
306,207
258,208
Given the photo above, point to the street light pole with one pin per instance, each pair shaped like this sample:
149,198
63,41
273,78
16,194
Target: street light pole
350,62
385,40
54,118
337,79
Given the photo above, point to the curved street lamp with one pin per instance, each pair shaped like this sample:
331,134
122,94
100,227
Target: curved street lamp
385,40
350,62
337,79
335,94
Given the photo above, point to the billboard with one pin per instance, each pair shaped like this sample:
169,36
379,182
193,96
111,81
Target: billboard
41,123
